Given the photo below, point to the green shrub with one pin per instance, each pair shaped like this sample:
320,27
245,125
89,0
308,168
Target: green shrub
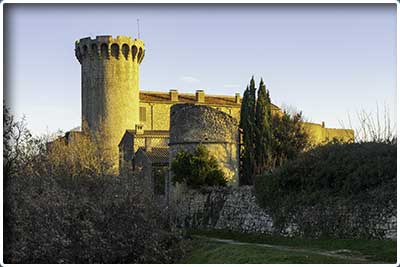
322,187
289,138
197,169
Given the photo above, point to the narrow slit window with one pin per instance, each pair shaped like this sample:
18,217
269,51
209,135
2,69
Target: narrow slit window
142,114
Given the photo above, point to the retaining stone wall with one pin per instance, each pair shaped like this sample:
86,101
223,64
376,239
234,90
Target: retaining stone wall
236,209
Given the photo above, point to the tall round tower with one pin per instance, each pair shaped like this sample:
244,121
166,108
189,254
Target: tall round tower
110,87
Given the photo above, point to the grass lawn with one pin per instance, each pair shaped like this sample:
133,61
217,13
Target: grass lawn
210,251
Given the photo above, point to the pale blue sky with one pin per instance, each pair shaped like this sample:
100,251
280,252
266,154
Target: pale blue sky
326,60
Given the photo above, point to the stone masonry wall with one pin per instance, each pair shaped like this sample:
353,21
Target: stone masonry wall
157,114
110,87
222,208
192,125
236,209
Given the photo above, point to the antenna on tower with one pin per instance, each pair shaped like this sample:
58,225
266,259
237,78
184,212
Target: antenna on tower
138,29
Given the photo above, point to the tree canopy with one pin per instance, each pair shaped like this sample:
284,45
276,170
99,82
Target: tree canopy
268,139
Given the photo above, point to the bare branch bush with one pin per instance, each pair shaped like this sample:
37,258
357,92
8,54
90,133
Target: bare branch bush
80,157
61,205
18,144
376,126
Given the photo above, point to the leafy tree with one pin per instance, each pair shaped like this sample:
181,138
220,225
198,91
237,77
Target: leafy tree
197,169
263,140
289,138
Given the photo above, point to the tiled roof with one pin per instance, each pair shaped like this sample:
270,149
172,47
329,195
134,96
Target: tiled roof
150,132
148,96
157,154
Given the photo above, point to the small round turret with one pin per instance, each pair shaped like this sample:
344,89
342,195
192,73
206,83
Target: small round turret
192,125
110,87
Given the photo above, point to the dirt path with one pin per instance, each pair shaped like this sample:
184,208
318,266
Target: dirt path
334,254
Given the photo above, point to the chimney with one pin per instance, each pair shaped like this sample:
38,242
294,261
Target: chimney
147,144
237,98
139,129
173,95
199,96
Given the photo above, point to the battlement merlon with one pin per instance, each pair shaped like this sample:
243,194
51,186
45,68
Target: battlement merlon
106,47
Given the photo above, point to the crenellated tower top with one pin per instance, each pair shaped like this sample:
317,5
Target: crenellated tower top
110,87
107,47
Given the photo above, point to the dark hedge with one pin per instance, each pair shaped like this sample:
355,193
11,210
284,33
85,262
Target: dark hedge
340,190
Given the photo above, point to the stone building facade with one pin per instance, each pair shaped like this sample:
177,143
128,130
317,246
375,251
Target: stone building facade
133,140
126,118
110,87
192,125
144,130
151,165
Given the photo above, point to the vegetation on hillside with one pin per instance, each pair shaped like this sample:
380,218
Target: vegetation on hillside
62,206
333,190
197,169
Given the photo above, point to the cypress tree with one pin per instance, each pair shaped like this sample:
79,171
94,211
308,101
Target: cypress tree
252,102
247,124
244,158
243,109
263,133
252,131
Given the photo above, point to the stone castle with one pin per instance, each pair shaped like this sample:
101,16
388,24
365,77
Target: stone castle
135,125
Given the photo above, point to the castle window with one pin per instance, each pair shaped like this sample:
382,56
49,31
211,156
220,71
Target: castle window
94,49
140,55
142,114
104,50
85,49
134,51
125,50
115,50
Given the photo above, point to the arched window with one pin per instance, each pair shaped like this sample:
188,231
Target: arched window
85,50
134,52
104,50
140,55
125,50
115,50
95,50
